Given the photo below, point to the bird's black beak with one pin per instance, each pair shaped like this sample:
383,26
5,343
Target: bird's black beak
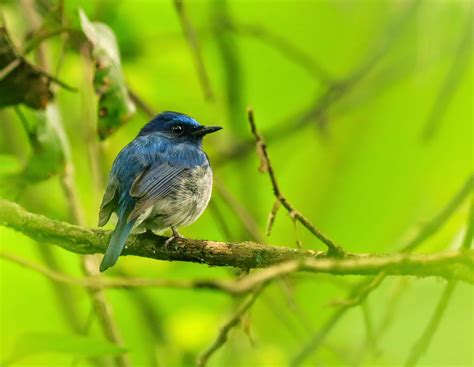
204,130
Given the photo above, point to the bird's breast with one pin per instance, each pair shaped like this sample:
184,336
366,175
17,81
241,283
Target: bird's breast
185,203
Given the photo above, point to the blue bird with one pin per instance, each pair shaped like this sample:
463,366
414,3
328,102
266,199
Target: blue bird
161,179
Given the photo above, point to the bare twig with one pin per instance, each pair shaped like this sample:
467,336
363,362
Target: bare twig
265,166
194,45
228,326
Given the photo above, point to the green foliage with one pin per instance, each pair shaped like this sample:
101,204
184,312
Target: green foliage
352,157
48,152
115,106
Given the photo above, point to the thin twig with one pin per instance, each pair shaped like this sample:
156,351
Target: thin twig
195,47
265,166
228,326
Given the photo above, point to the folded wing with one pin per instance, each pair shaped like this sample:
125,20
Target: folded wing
153,184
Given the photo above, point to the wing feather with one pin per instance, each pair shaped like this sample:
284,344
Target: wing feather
109,201
153,184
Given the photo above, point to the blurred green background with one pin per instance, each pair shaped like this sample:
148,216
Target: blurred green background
357,161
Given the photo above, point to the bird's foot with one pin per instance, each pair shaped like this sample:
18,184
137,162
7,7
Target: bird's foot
175,235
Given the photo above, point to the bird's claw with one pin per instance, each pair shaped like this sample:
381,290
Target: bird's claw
175,235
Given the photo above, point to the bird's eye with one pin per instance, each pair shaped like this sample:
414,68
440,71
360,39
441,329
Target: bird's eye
178,129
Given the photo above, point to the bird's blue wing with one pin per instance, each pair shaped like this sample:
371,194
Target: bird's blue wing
109,201
153,184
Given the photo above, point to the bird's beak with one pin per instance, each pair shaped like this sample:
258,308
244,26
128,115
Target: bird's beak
203,130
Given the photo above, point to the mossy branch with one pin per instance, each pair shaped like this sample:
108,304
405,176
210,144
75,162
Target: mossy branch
456,265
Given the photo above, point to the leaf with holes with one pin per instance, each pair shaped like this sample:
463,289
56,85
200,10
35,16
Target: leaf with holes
115,106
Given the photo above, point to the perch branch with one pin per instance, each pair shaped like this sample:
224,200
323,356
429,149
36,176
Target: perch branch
456,265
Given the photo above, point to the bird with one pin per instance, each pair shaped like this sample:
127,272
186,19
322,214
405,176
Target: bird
162,179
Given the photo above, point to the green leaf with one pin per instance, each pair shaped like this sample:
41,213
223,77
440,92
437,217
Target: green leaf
115,105
77,345
49,152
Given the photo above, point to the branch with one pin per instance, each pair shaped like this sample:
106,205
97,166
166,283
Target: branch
456,265
266,166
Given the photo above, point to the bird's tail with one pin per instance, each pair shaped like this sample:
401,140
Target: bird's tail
117,242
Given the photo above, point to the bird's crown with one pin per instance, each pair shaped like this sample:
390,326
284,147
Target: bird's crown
176,125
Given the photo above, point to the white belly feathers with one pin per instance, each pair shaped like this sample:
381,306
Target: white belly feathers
183,206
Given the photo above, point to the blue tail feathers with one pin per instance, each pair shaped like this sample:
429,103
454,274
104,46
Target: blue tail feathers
117,243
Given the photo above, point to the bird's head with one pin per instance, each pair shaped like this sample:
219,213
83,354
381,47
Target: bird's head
177,126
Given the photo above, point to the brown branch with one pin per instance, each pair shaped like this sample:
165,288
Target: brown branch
228,326
266,166
245,255
195,47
